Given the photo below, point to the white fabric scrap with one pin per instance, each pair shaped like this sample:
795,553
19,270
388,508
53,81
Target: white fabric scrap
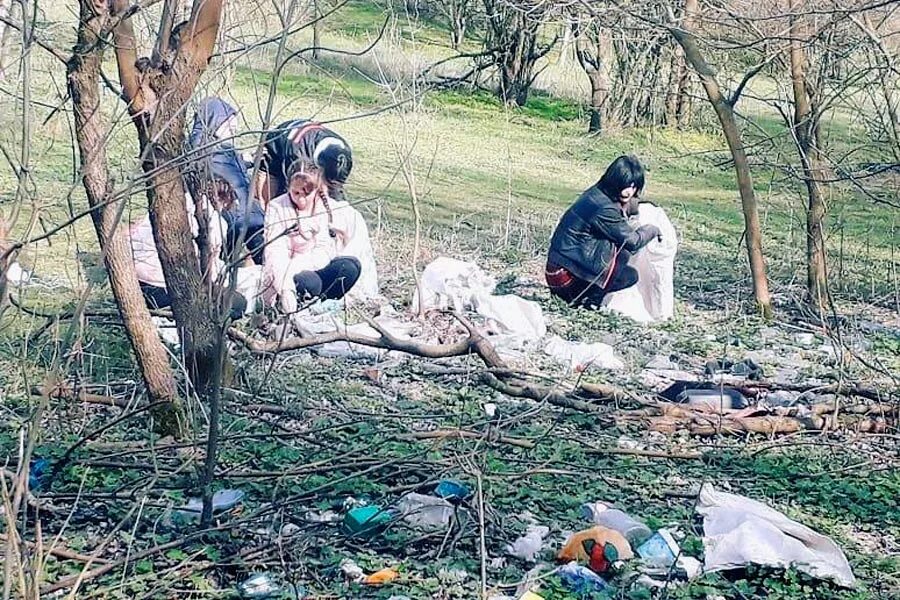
581,356
738,531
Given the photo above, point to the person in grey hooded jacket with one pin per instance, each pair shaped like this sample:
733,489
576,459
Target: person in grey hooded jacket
212,142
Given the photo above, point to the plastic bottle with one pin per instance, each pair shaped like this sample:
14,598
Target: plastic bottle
601,514
423,511
581,580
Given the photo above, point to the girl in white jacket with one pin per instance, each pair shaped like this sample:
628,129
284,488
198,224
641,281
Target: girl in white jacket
306,234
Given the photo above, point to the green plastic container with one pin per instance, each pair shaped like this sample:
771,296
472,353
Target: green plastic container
365,520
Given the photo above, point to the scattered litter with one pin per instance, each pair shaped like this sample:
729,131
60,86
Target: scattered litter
452,576
382,577
582,356
691,566
290,529
514,316
739,531
222,500
326,307
452,491
649,582
574,548
661,362
258,586
704,394
745,368
36,473
328,516
490,409
805,339
660,550
528,546
713,400
365,520
531,596
351,570
167,330
581,580
16,275
427,512
782,398
601,514
629,443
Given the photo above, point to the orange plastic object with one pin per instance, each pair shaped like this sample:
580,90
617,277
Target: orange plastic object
574,548
381,577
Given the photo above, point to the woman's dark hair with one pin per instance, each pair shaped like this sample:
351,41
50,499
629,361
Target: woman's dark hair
337,162
622,173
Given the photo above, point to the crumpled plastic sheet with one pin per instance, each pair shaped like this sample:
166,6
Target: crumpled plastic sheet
582,356
738,531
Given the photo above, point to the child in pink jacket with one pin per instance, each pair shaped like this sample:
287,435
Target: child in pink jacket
147,265
304,239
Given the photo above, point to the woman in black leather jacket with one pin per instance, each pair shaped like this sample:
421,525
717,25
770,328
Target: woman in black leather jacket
590,247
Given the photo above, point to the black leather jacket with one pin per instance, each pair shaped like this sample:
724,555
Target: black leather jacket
589,233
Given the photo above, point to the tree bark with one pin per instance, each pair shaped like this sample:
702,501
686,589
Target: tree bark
91,134
676,96
512,37
158,91
589,48
806,132
685,36
6,11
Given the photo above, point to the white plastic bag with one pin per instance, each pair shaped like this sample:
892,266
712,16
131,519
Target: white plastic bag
581,356
653,298
738,531
629,302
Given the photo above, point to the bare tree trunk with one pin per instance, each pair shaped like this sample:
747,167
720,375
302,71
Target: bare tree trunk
91,134
458,15
806,131
589,47
678,80
512,37
6,11
316,29
725,112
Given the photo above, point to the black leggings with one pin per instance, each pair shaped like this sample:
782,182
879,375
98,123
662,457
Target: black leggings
590,295
158,297
330,282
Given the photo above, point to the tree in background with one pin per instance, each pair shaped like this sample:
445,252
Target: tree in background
512,42
686,32
592,49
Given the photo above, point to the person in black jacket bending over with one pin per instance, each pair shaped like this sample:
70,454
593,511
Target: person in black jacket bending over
302,145
591,246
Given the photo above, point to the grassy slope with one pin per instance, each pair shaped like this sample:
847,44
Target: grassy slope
473,159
